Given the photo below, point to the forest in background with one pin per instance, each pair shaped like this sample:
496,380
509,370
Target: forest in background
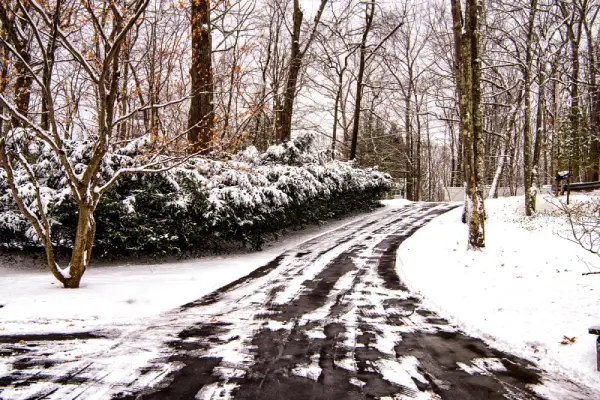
374,79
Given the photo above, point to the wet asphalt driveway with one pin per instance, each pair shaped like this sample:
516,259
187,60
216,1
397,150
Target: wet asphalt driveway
329,319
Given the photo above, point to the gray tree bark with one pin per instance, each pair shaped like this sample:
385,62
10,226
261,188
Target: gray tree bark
468,78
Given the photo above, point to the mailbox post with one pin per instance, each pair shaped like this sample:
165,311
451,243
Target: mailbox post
560,177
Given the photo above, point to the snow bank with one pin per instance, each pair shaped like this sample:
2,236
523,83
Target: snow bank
524,292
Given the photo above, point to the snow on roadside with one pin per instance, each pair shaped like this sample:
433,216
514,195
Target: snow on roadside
33,301
524,292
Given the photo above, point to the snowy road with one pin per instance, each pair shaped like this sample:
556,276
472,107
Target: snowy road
329,319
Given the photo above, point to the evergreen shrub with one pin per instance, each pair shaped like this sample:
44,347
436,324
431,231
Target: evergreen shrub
202,204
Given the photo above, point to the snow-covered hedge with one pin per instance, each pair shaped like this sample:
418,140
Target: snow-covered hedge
203,203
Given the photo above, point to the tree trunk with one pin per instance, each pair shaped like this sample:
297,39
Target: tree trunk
3,80
22,88
476,225
283,129
335,121
555,145
429,162
201,115
369,13
504,152
460,162
23,80
539,131
594,156
409,140
284,126
82,247
574,38
468,78
122,127
338,99
452,154
49,67
227,130
417,189
527,162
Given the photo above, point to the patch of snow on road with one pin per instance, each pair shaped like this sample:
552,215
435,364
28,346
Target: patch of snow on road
481,366
216,391
347,363
410,364
395,372
310,371
357,382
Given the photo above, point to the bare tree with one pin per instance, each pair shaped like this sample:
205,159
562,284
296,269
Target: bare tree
369,14
468,77
284,116
528,170
107,26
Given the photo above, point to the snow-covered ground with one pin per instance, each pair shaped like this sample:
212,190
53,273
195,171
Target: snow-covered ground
524,292
33,301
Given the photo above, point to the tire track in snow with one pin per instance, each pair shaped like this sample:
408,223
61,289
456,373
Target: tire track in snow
67,369
329,319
